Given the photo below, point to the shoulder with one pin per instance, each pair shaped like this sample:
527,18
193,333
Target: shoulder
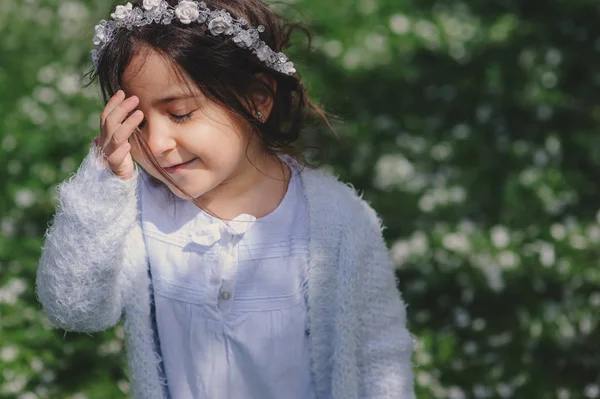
329,195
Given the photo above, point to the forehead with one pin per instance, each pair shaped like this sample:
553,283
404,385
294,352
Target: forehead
150,75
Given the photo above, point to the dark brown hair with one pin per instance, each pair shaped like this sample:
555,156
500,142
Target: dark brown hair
225,73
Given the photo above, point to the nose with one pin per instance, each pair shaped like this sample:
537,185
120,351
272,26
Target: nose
159,138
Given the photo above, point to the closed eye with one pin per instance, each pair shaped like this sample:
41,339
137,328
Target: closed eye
181,118
174,117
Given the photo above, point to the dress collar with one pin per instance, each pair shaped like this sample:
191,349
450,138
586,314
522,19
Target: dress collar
224,231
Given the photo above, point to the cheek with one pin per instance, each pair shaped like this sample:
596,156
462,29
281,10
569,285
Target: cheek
218,145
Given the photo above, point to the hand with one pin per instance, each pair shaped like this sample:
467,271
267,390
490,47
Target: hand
115,131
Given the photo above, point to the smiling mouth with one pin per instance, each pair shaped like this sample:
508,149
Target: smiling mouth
175,168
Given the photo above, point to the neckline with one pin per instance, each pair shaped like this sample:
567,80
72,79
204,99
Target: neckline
288,196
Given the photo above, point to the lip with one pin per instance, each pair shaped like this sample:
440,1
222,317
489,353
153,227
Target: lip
178,167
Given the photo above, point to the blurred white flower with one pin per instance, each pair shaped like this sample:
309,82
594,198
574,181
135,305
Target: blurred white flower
427,203
508,259
45,95
500,236
72,10
36,364
470,348
461,317
16,385
441,151
375,43
546,253
592,391
593,233
578,241
553,145
46,74
123,386
400,24
69,84
9,353
499,340
7,227
9,293
427,30
367,6
392,170
458,242
333,48
24,198
505,390
400,252
481,391
553,57
456,393
558,232
353,57
9,143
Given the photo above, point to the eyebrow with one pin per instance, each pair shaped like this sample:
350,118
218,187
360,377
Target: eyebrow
172,98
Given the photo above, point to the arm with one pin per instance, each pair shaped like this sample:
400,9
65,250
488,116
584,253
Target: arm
78,279
386,345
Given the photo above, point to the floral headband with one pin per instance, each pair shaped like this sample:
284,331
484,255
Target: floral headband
219,22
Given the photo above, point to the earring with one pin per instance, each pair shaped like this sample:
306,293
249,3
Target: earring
259,115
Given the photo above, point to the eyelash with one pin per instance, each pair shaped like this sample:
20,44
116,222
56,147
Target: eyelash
181,118
176,118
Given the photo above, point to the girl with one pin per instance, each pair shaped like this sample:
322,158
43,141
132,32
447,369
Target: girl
239,273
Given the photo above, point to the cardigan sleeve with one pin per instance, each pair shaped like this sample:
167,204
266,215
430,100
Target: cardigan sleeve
79,279
385,344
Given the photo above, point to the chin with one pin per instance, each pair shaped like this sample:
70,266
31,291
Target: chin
189,183
193,191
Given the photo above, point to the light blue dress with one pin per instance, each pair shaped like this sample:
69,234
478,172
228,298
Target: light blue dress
231,298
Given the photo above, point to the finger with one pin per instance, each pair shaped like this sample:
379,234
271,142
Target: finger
127,128
115,100
115,160
118,115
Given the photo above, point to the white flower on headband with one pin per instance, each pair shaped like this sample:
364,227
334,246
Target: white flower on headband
263,53
122,13
151,4
187,11
219,25
100,35
218,22
244,39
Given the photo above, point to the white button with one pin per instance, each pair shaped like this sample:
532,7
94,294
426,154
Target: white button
225,295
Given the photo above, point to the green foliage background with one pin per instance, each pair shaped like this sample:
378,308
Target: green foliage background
469,125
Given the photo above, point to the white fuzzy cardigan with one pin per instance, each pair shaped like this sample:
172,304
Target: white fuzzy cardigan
93,269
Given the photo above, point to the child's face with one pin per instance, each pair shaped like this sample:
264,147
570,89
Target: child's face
179,130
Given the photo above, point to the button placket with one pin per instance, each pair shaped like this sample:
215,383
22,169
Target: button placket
226,235
228,272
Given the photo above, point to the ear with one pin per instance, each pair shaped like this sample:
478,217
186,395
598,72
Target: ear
263,95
